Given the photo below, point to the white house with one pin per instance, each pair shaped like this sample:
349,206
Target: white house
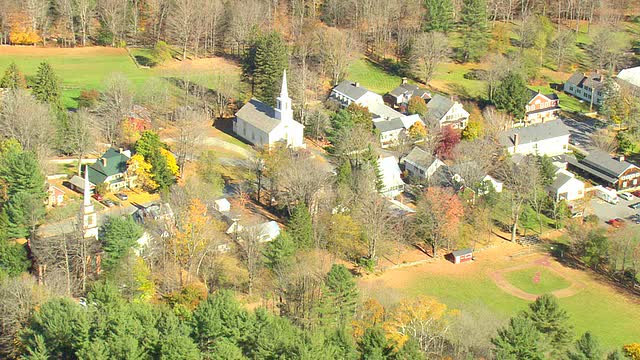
420,164
444,111
586,87
630,76
497,185
262,125
550,138
566,187
348,92
392,184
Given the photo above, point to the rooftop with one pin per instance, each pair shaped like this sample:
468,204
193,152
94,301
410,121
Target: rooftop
438,106
606,163
631,75
388,125
408,89
420,157
258,114
534,133
350,89
112,162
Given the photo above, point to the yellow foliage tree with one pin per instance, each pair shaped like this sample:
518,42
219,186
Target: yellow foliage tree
417,131
172,164
370,315
137,166
146,288
22,32
632,351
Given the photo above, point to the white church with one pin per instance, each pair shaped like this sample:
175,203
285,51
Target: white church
262,125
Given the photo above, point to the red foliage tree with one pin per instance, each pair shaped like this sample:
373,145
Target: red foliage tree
449,138
438,216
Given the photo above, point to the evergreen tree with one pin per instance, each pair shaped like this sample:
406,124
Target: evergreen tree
119,236
586,348
263,65
512,95
13,258
374,345
439,15
551,321
13,78
279,252
160,171
344,174
475,29
410,351
148,144
519,340
339,343
301,227
342,293
46,87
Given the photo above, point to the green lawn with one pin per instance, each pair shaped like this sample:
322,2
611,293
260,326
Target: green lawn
371,76
86,68
608,315
536,280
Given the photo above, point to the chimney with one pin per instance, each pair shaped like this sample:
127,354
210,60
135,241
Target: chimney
120,150
621,158
403,81
356,84
104,162
516,141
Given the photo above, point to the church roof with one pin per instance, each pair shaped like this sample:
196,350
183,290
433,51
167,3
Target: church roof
258,114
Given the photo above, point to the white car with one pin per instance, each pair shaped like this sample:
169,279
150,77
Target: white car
625,196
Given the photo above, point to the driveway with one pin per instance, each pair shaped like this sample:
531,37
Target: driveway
606,211
581,132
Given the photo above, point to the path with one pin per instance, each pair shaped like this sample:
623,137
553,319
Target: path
506,286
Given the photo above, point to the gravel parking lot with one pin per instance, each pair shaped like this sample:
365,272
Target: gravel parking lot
606,211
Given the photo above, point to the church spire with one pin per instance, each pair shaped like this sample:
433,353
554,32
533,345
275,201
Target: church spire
283,110
87,185
89,217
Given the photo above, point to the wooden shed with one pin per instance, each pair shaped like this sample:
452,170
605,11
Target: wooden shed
460,256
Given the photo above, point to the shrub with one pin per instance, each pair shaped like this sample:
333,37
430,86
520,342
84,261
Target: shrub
477,74
161,52
88,98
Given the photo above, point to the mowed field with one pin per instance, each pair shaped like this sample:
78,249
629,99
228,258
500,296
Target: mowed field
597,307
87,68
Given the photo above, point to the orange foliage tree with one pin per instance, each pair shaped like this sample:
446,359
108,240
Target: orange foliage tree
438,216
632,351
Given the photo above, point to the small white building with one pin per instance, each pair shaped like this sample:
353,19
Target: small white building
264,126
566,187
586,87
222,205
443,111
420,164
550,138
497,185
392,184
348,92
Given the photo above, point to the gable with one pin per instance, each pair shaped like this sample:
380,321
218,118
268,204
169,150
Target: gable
539,99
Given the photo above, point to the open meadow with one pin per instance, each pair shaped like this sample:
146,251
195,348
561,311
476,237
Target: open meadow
86,68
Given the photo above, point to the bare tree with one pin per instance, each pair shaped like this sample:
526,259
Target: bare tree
68,11
429,50
520,180
377,221
251,253
224,95
191,125
28,121
80,136
495,121
605,139
116,101
301,180
337,49
563,47
113,14
86,12
606,49
182,22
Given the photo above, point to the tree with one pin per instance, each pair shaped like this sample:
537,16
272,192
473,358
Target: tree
417,105
13,258
586,348
552,322
207,168
632,351
563,48
448,140
520,180
438,216
342,293
116,101
118,236
427,52
13,78
374,345
191,130
337,49
473,130
606,49
138,166
301,227
263,65
182,23
439,16
80,137
511,96
163,171
595,249
46,87
279,253
359,114
475,29
519,340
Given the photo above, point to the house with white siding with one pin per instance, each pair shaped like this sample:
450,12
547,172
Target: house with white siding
550,138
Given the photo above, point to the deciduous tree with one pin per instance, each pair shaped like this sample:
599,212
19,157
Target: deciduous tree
427,52
438,216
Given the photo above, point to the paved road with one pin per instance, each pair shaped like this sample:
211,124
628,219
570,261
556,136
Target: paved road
581,132
606,211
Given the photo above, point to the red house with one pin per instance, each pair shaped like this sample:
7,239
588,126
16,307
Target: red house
541,107
460,256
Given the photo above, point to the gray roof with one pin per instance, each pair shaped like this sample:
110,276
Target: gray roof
533,94
420,157
258,114
534,133
389,125
462,252
409,89
593,81
351,90
561,179
437,107
591,170
605,163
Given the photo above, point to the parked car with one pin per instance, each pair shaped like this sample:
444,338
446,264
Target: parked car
122,196
108,203
98,197
625,196
636,193
635,206
616,223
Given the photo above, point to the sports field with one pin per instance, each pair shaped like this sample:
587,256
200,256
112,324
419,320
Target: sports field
86,68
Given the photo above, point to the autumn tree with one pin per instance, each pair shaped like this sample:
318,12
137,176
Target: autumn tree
438,216
427,52
632,351
116,101
417,105
447,141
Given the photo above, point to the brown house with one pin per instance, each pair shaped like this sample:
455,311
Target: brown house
614,172
541,107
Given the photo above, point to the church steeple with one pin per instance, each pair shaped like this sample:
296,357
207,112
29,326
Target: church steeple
283,110
89,217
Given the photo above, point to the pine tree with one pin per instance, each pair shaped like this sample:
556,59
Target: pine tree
374,345
13,78
119,236
519,340
551,321
160,171
47,87
439,16
512,95
586,348
475,29
301,227
279,252
263,65
342,293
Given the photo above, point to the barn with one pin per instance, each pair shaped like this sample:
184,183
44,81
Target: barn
460,256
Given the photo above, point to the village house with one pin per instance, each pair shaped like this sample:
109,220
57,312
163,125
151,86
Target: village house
586,87
264,126
55,195
443,111
392,184
630,76
399,97
109,169
420,164
566,187
348,92
550,138
609,171
541,108
392,131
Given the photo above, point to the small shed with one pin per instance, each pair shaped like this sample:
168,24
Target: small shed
460,256
222,205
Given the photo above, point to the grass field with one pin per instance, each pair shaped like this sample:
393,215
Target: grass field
598,308
86,68
371,76
536,280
